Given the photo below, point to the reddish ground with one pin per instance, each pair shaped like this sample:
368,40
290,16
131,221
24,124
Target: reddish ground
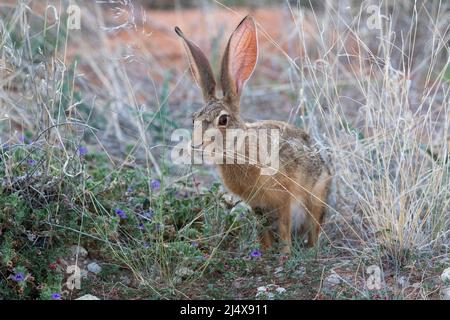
155,33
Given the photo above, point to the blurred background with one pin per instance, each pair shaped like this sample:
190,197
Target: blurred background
127,56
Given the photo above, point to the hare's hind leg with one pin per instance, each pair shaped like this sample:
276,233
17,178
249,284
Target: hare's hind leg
315,221
316,208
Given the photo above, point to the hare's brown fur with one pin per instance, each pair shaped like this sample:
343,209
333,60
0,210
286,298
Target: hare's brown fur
302,182
296,194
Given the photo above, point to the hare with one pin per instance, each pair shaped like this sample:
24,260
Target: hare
295,195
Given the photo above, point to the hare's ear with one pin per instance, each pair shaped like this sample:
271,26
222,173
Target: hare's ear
200,67
239,60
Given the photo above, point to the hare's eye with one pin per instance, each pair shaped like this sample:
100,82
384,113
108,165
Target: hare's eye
223,120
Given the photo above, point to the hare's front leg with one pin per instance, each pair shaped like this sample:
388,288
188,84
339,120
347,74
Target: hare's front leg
284,228
270,226
267,239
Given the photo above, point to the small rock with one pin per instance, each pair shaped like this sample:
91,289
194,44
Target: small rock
300,271
264,292
184,272
125,280
333,279
94,267
416,285
269,291
278,270
445,276
280,290
78,250
88,297
261,289
445,292
403,281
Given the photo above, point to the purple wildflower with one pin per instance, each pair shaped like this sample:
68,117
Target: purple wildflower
18,277
82,150
149,214
155,184
141,226
194,244
31,162
24,140
255,254
56,296
121,213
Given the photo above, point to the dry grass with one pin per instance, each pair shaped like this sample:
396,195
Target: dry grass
376,99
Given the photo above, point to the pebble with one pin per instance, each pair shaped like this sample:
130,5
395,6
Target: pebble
94,267
82,252
445,292
403,281
125,280
278,270
300,271
268,291
261,289
445,276
333,279
88,297
280,290
184,272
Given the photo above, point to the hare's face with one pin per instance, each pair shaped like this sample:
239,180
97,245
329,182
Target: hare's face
212,120
216,115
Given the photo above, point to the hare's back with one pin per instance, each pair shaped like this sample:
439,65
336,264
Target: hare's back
290,136
298,151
